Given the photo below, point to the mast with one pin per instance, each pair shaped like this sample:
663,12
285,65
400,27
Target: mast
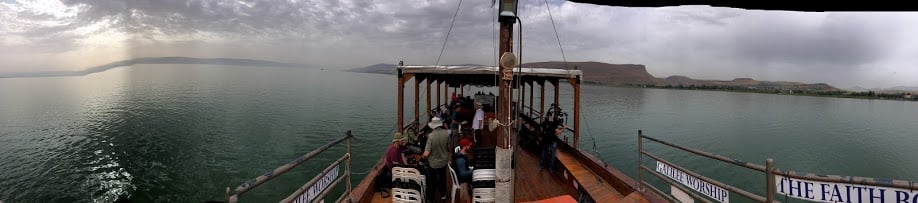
507,18
503,154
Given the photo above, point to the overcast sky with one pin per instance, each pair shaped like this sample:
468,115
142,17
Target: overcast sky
844,49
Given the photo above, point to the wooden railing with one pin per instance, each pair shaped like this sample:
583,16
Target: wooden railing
884,190
323,182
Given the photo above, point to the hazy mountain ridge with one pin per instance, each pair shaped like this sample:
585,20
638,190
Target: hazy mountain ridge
155,60
637,75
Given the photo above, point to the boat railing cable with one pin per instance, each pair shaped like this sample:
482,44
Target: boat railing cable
442,49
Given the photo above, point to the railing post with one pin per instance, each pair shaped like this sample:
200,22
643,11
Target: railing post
770,175
348,164
640,160
229,198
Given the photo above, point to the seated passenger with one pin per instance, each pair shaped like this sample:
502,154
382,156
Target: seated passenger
394,157
462,161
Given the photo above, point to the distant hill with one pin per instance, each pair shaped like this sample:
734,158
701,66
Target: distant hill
155,60
904,88
637,75
604,73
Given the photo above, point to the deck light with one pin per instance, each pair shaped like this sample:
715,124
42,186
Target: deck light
507,10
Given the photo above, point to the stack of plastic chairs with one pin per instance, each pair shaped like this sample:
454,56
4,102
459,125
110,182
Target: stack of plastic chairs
484,195
484,175
408,185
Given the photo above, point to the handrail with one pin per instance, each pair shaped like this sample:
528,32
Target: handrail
770,174
233,196
306,186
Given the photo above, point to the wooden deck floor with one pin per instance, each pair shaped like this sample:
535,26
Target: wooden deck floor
534,184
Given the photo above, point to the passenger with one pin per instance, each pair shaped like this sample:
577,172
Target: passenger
394,156
437,154
411,133
463,161
454,124
477,122
549,146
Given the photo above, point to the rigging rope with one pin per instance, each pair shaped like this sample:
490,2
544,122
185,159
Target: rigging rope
563,57
447,32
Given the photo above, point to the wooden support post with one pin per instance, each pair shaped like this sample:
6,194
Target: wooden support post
446,93
428,100
417,96
575,82
522,92
542,102
438,93
557,90
401,99
531,98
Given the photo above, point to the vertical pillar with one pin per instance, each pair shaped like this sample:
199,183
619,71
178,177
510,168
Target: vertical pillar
401,98
417,95
770,180
531,98
428,100
576,84
542,101
438,93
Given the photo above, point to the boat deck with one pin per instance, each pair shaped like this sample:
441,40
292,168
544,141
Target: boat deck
533,184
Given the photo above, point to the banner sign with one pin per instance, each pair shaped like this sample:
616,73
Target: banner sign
819,191
318,187
713,191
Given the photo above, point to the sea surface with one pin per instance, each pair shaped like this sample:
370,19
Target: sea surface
184,133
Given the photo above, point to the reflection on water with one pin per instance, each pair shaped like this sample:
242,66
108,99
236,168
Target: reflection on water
167,133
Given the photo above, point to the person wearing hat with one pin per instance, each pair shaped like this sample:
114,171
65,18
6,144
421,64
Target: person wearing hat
437,153
411,133
394,156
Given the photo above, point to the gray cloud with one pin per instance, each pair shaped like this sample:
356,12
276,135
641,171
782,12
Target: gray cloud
698,41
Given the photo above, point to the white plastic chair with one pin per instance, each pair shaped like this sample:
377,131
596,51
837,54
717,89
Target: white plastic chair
484,195
484,174
456,185
401,195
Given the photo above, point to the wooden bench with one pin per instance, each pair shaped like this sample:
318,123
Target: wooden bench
592,183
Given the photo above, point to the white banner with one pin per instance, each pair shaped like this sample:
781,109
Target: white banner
706,188
819,191
318,187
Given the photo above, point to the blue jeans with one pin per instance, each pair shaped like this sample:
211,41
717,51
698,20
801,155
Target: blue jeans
547,158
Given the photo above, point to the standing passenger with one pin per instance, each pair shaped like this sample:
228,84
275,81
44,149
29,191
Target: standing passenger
478,122
437,154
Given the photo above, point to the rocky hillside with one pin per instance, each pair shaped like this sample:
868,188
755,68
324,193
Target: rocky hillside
637,75
604,73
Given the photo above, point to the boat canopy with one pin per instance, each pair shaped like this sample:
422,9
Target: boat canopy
487,75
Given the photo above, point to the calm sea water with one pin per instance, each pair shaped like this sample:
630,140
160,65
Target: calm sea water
183,133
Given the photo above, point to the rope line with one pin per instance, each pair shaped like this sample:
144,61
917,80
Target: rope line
449,31
563,57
